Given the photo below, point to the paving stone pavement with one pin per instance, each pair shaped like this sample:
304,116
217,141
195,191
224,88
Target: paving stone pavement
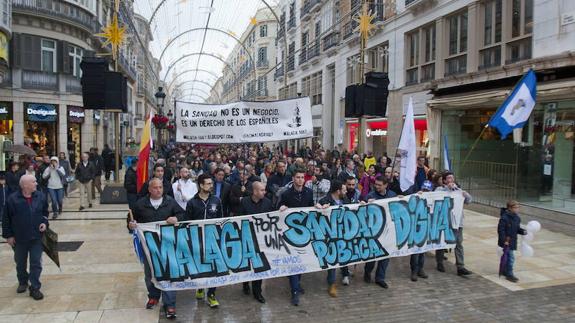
443,297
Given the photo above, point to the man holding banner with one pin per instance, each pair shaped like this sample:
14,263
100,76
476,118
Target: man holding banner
296,196
157,207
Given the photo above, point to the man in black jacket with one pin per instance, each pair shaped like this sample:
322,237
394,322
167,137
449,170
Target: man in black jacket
157,207
109,159
239,191
24,221
98,163
277,180
85,174
222,189
296,196
205,205
158,173
255,204
130,184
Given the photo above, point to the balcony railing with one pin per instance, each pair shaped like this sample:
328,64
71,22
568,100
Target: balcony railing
281,31
428,72
57,9
331,40
348,28
411,76
262,92
263,64
490,57
40,80
73,84
291,63
302,56
307,8
456,65
519,50
279,72
127,67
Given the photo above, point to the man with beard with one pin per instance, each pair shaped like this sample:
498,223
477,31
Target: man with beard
238,192
222,189
184,188
159,174
277,181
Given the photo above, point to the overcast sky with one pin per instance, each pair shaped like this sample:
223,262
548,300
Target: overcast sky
177,16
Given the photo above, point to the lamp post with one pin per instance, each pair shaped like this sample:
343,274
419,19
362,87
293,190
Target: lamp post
171,124
160,97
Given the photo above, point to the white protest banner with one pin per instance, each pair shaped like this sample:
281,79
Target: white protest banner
243,122
217,252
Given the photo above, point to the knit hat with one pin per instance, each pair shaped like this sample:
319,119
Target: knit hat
54,158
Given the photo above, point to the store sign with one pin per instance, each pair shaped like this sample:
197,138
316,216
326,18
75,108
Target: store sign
375,132
76,114
41,112
3,47
5,110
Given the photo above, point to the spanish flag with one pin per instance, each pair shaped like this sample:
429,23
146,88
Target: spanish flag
146,145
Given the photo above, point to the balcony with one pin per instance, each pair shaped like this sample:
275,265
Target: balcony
40,80
302,56
73,84
281,32
291,63
128,69
263,64
279,72
331,40
348,28
262,93
428,72
59,11
307,9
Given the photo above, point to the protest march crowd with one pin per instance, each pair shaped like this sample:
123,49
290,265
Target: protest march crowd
190,183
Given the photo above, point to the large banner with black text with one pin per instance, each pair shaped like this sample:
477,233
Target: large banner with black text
217,252
243,122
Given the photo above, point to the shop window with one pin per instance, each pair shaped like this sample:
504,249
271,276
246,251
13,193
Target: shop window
48,55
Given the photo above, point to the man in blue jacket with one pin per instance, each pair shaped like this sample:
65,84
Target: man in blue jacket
24,221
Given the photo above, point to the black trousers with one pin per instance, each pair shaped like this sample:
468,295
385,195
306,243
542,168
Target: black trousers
256,286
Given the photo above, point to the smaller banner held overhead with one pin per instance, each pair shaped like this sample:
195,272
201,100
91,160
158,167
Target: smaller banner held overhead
243,122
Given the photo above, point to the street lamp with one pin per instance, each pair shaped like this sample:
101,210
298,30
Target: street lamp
160,96
171,125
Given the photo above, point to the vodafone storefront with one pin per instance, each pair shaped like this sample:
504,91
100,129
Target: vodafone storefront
376,135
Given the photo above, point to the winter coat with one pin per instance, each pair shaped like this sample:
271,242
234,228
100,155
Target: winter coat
293,198
130,181
13,180
509,227
249,207
236,196
144,211
22,220
376,196
275,182
56,177
198,209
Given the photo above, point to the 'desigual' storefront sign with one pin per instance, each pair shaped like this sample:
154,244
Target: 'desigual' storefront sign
39,112
5,110
76,114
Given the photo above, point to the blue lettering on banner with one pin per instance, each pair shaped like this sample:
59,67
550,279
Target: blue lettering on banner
415,225
344,237
186,251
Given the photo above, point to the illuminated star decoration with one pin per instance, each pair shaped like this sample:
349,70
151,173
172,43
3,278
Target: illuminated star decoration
114,35
253,21
365,26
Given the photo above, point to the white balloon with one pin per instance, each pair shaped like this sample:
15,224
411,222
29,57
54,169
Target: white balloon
529,236
526,250
499,252
533,226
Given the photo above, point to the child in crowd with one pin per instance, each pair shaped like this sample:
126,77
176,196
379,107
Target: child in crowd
508,228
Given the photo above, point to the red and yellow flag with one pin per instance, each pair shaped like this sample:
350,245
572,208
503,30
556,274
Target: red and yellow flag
146,144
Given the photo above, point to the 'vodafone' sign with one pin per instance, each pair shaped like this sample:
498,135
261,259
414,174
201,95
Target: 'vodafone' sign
375,132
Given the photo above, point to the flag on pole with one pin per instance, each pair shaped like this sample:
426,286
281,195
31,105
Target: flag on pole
144,154
446,162
516,109
407,150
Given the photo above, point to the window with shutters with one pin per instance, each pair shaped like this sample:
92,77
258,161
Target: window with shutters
76,54
263,31
48,55
263,54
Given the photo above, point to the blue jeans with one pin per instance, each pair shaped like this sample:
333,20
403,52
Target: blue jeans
294,283
21,251
510,263
416,262
168,298
380,271
57,196
331,274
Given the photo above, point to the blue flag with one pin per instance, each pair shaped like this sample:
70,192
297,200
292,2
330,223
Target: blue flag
516,109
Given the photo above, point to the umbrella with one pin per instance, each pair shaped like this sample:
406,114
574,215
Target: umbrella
50,244
21,149
503,262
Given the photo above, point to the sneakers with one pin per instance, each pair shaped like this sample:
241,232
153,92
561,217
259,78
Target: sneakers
382,284
422,274
295,299
332,291
36,294
345,281
463,272
512,278
170,312
22,288
413,276
152,302
200,294
440,267
212,301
